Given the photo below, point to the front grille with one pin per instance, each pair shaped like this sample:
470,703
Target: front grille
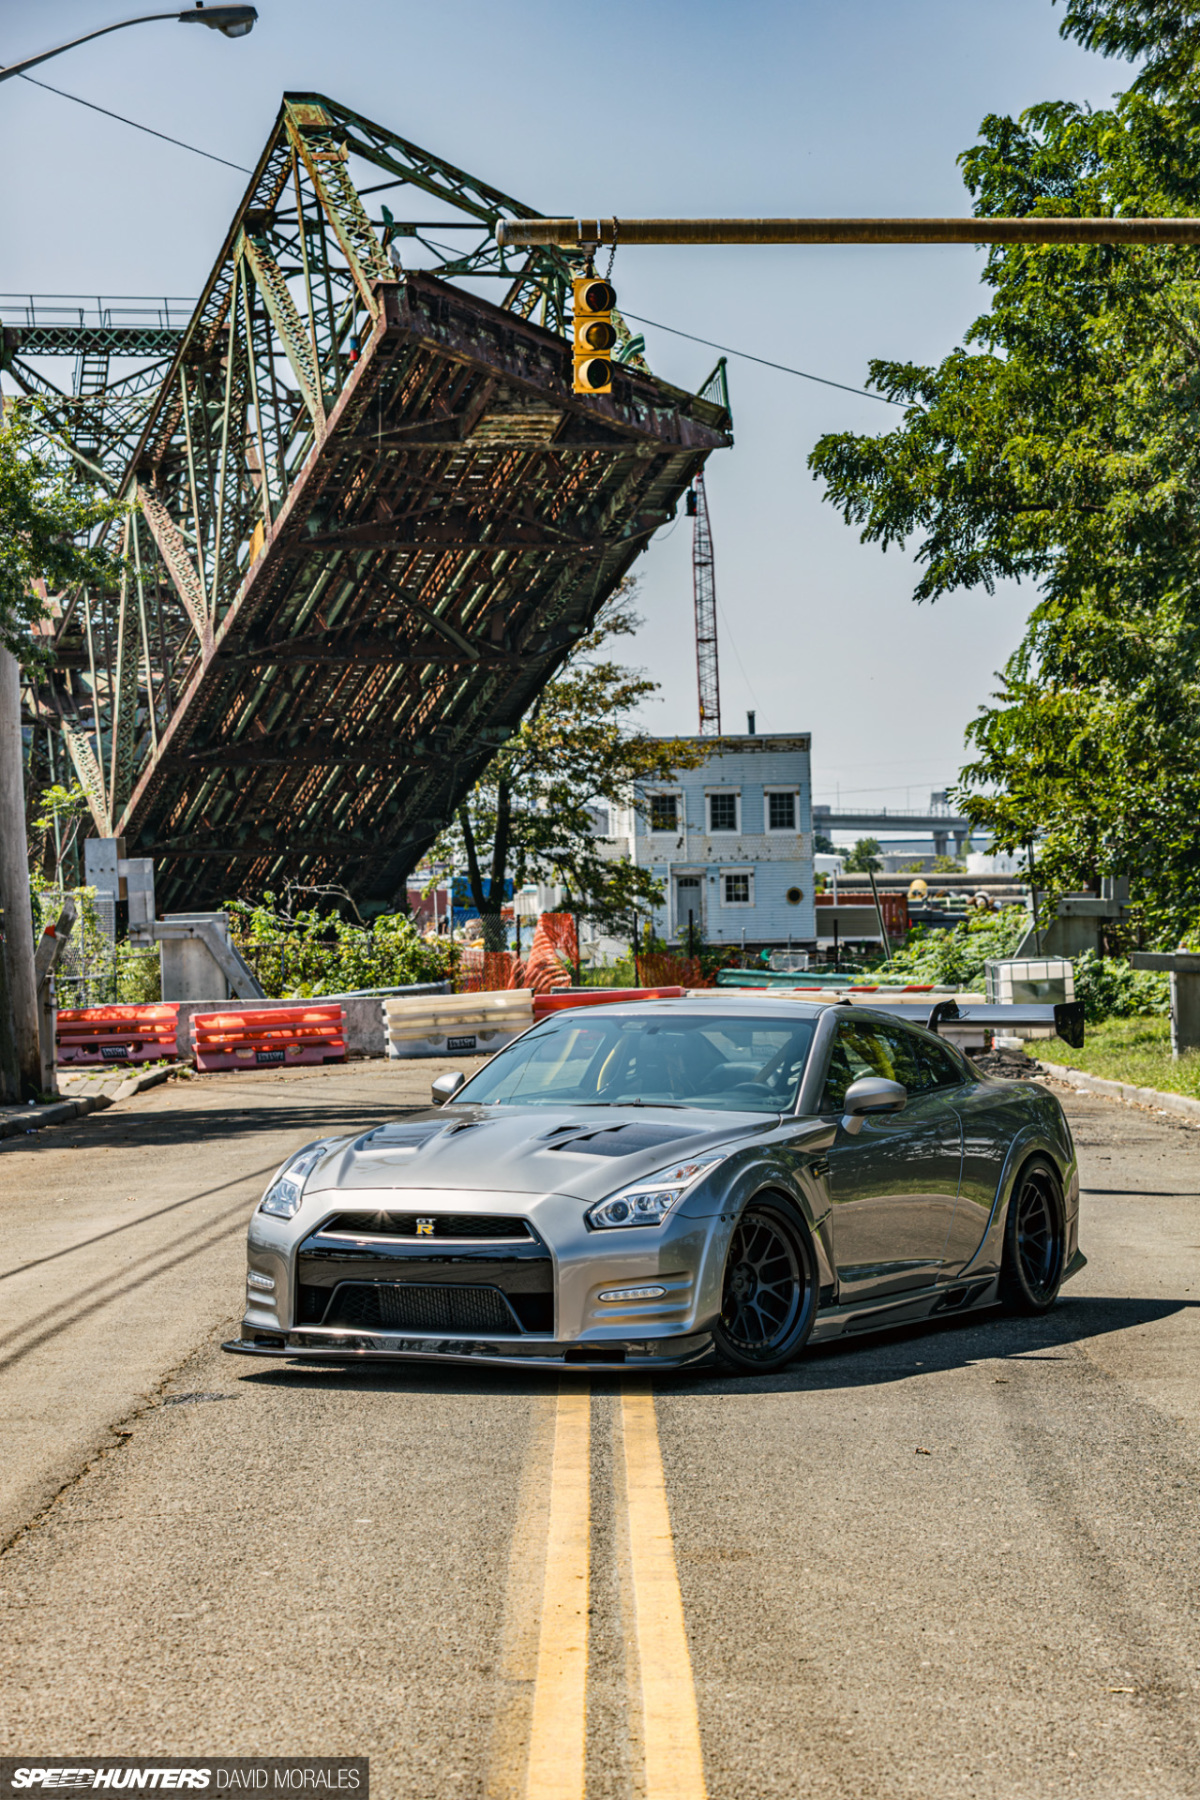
386,1306
407,1306
445,1225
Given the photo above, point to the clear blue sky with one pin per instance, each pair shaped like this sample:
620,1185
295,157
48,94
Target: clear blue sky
759,107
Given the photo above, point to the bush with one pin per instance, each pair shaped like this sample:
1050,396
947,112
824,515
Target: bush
1110,989
310,954
956,958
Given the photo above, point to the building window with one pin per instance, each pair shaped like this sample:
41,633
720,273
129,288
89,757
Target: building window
664,812
781,812
723,811
737,888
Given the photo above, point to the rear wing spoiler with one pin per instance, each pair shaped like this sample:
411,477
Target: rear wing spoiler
1064,1017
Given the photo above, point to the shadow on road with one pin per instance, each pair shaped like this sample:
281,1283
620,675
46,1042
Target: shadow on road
934,1345
208,1124
860,1361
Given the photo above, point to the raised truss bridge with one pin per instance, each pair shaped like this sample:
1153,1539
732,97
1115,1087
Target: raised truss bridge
367,518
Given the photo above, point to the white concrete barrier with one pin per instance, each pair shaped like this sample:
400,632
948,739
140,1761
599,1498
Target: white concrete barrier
456,1024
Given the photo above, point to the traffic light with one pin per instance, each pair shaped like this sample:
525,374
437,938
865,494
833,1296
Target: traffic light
595,334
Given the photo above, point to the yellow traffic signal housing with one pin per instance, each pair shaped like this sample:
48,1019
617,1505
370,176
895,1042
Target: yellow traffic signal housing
595,334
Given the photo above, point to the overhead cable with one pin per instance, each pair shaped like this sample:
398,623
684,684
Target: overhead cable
726,350
766,363
148,129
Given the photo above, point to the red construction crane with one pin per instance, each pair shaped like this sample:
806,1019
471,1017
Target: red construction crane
708,675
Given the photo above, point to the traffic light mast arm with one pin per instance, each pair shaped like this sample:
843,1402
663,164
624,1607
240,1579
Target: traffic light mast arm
589,233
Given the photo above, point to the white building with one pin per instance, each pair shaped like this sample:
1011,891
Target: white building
731,841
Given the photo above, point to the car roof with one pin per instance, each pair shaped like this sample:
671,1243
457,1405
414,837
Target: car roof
736,1000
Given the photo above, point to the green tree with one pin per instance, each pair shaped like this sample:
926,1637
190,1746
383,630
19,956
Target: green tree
1060,445
531,817
46,522
864,857
822,845
59,816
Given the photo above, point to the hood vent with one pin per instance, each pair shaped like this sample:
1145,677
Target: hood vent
622,1140
400,1139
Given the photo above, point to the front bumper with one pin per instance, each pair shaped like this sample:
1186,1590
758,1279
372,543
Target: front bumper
317,1344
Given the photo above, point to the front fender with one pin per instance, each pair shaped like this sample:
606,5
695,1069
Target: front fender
793,1171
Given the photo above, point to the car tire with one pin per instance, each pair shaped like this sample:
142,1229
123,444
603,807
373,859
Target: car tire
1031,1270
769,1291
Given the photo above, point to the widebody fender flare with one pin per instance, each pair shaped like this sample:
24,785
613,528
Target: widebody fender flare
1033,1139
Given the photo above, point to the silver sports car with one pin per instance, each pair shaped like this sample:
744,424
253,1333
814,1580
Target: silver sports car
665,1182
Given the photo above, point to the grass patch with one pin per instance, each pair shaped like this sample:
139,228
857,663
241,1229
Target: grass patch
1134,1050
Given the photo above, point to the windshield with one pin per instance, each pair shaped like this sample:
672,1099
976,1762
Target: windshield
608,1058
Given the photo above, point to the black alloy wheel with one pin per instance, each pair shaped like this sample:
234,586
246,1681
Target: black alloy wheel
1034,1241
769,1300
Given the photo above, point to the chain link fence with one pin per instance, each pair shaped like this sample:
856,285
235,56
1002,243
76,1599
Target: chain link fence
93,968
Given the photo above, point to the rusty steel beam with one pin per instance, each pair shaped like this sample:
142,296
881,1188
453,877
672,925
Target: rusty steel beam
580,233
372,517
377,652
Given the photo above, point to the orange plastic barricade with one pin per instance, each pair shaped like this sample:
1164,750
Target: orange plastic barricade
117,1034
554,953
545,1004
261,1037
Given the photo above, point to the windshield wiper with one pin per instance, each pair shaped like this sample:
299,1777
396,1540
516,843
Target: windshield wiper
667,1105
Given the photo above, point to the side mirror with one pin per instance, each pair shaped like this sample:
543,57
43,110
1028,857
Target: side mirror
871,1094
446,1086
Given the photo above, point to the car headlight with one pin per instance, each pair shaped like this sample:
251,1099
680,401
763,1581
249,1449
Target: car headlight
285,1193
647,1202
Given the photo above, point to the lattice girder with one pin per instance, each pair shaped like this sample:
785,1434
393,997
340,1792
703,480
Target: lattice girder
374,517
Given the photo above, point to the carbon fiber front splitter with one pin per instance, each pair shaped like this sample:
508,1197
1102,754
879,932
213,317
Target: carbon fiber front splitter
362,1346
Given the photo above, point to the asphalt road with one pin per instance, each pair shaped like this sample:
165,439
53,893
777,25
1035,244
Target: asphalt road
959,1561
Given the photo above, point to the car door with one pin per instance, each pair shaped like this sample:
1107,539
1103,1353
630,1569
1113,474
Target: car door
894,1184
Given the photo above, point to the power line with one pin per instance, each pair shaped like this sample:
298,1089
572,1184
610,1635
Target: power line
766,363
726,350
745,355
148,129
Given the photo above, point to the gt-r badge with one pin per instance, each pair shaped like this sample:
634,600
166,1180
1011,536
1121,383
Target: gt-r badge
424,1227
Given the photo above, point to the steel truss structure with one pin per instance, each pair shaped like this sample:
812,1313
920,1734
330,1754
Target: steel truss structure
704,595
367,519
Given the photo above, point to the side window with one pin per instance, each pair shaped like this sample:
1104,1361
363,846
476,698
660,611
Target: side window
941,1062
869,1047
664,812
723,812
781,812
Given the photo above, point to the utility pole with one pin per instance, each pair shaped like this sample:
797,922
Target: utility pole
19,977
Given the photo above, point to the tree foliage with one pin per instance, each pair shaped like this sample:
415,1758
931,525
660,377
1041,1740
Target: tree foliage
46,520
1165,32
308,952
864,857
1060,444
532,815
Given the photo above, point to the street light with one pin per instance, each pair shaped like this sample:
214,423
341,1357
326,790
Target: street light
231,21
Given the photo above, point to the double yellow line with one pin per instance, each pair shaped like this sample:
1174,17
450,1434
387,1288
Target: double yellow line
542,1754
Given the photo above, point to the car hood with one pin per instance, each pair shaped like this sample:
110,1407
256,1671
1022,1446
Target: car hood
584,1151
